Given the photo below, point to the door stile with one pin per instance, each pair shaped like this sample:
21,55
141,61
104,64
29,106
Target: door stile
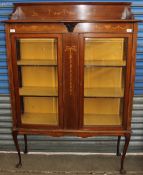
16,79
11,75
70,80
60,81
81,79
130,77
133,72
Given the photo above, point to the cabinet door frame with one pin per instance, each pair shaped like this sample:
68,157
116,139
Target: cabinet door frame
127,89
17,121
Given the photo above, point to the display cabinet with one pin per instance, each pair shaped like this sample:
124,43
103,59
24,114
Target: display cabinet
71,70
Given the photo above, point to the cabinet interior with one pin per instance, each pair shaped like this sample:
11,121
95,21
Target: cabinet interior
99,111
40,110
38,49
40,76
104,64
106,49
38,80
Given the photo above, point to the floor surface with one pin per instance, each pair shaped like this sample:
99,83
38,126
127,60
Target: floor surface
68,165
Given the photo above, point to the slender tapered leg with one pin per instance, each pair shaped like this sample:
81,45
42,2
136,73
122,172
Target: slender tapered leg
127,140
25,141
14,134
118,146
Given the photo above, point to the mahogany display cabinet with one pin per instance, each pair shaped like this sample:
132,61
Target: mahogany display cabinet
72,70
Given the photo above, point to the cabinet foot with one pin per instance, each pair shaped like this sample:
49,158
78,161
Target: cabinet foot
127,140
25,142
118,146
122,171
14,134
18,165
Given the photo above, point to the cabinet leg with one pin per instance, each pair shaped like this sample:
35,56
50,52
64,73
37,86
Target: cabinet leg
25,142
127,140
14,134
118,146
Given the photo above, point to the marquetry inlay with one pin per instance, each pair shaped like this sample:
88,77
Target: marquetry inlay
70,50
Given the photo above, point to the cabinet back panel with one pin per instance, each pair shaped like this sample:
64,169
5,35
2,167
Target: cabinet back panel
40,119
102,120
40,110
39,76
40,104
102,111
104,48
102,105
103,77
38,49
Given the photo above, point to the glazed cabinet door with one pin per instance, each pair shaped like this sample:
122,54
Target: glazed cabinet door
104,78
37,63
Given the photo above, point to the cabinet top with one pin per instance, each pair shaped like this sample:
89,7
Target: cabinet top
72,12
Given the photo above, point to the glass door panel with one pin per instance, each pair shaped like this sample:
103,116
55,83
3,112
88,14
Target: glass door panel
104,49
103,81
41,79
104,63
38,77
38,49
40,110
102,111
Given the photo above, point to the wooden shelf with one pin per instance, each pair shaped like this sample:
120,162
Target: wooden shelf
103,40
38,62
40,118
115,63
38,91
94,119
38,40
103,92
